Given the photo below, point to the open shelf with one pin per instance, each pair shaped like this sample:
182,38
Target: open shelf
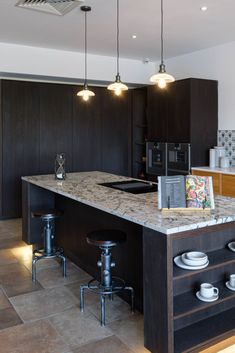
217,259
187,304
206,332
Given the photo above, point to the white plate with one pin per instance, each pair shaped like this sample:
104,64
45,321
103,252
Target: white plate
181,264
231,246
229,287
208,300
192,263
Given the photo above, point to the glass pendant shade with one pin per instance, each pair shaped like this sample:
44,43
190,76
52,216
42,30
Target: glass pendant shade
117,86
86,93
162,78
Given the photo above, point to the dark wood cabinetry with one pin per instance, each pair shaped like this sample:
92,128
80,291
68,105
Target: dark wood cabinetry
187,111
39,120
139,132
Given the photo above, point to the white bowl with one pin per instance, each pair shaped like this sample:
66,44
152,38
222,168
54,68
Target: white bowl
194,258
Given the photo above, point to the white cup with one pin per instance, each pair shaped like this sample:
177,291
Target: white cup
232,280
208,291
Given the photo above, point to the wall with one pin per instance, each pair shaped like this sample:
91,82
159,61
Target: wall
213,63
49,62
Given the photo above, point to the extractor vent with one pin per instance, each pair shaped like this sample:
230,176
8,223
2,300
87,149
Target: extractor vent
55,7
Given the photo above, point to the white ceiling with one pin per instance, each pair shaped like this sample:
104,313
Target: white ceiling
187,28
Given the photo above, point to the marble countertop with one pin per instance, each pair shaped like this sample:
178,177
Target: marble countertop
230,170
141,209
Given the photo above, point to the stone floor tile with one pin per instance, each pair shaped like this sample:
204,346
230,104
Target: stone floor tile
4,302
107,345
9,318
16,279
53,277
78,328
43,303
114,310
6,257
131,332
36,337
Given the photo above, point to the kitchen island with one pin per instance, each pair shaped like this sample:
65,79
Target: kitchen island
175,320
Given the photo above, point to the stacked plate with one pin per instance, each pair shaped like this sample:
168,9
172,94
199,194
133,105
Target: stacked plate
231,246
193,260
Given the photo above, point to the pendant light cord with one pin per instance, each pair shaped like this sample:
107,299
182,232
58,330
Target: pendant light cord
117,37
85,84
162,48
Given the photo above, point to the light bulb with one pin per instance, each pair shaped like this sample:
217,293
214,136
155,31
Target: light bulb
85,97
161,83
118,91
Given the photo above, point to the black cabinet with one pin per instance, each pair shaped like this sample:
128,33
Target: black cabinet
20,140
186,111
39,120
56,124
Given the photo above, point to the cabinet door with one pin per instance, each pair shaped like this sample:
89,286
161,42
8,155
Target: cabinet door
216,178
116,132
20,114
157,113
228,185
178,111
87,131
55,125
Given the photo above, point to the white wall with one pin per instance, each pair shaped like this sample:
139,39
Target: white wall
19,59
214,63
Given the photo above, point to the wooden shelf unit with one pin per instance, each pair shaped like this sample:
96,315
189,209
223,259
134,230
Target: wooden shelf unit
184,324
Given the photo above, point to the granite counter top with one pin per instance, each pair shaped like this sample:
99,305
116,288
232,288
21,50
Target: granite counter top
141,209
230,170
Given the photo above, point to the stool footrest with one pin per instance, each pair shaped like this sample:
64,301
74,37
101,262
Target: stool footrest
118,285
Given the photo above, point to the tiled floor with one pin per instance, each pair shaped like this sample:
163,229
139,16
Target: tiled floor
45,318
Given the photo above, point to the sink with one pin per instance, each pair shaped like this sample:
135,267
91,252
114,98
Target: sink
132,186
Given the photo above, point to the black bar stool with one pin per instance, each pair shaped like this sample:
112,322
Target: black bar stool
48,217
108,285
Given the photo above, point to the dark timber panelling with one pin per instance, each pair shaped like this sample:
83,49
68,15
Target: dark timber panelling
87,131
20,106
158,291
55,125
116,128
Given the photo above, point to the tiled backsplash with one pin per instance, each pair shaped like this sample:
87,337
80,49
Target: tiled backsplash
226,138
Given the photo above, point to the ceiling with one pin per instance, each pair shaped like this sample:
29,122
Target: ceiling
187,28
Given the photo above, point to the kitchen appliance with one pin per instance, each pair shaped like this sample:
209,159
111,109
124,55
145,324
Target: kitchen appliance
156,158
178,158
168,158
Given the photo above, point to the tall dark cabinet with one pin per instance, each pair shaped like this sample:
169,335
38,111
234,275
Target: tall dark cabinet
39,120
187,111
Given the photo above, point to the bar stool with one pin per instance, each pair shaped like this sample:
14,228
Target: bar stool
48,252
108,285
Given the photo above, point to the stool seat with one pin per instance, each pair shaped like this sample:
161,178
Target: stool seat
106,237
47,213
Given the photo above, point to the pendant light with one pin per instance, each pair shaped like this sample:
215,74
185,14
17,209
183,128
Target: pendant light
162,78
85,93
117,86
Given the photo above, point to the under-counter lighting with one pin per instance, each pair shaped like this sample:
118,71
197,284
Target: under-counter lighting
203,8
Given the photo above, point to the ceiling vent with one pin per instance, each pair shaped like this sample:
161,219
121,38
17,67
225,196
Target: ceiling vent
55,7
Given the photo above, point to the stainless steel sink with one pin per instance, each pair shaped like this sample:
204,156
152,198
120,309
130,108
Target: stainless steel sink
132,186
